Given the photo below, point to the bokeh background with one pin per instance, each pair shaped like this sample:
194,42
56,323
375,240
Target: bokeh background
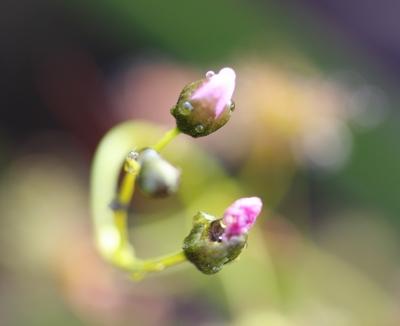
315,134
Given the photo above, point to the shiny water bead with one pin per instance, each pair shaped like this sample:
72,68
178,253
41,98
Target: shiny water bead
188,106
209,74
131,164
199,128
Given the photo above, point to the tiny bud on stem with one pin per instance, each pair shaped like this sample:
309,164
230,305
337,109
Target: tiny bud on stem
157,177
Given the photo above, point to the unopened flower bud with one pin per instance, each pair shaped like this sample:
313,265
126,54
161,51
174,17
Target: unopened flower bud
157,177
205,250
213,242
205,105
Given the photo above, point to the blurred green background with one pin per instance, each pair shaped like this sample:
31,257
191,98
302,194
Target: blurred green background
315,134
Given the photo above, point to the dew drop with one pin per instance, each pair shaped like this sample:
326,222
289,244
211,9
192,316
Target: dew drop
133,155
215,269
199,129
209,74
188,106
131,164
232,106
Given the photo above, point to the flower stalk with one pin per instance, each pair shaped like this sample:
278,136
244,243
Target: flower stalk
124,255
166,139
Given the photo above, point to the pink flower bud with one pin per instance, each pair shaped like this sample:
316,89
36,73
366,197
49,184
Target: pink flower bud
217,90
205,105
240,216
213,243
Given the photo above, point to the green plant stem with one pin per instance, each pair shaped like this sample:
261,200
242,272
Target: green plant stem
166,139
124,256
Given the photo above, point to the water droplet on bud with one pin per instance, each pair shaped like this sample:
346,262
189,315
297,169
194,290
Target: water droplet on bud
188,106
199,128
209,74
232,106
215,269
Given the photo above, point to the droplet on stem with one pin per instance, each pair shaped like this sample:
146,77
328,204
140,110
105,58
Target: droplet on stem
131,164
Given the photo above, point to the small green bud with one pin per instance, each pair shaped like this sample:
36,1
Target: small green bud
206,248
157,177
205,105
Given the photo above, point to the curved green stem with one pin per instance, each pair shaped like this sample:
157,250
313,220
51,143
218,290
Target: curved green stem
156,264
113,240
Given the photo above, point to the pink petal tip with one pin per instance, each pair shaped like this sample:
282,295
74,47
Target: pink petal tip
218,88
240,216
